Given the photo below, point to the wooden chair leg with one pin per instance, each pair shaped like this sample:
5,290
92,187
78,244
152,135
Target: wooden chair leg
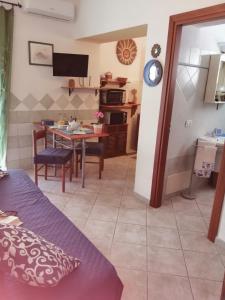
73,164
102,162
46,172
36,174
81,162
77,162
71,169
100,168
63,178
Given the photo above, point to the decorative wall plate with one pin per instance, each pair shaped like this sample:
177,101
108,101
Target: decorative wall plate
153,72
126,51
156,50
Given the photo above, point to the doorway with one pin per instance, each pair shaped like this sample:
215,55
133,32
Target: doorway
173,45
121,120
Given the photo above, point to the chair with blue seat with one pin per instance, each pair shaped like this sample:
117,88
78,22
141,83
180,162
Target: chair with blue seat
51,156
92,149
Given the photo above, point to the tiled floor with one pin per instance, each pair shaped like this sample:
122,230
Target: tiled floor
160,254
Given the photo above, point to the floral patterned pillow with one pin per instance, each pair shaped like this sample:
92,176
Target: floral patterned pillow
31,259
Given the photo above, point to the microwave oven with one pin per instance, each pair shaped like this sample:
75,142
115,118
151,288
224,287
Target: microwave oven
112,96
113,118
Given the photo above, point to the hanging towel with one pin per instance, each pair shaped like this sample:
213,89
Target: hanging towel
205,159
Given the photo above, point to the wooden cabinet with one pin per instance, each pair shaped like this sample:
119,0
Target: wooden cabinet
116,142
215,92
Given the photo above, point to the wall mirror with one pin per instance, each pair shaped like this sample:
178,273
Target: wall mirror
153,72
215,87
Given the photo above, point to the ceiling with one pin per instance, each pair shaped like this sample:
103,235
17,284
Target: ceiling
127,33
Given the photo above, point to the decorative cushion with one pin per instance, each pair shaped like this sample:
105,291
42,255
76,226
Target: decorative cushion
31,259
53,156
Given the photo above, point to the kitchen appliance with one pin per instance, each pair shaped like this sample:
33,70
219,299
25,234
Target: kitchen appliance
115,117
51,8
112,96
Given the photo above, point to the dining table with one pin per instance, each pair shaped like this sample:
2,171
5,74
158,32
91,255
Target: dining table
76,141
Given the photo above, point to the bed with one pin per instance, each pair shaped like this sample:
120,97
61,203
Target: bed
95,279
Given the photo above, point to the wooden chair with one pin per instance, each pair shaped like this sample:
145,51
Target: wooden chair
92,149
51,156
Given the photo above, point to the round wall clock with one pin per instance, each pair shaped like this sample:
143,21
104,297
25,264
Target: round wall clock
126,51
153,72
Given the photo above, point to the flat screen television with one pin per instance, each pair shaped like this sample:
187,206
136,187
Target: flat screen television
70,65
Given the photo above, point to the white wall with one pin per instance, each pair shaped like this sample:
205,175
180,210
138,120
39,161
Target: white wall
134,73
39,80
96,17
35,93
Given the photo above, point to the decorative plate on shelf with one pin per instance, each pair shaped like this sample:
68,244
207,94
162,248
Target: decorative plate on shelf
126,51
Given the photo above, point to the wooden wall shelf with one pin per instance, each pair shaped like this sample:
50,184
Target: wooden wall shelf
95,89
103,82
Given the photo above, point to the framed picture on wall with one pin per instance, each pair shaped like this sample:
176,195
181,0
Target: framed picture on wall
40,54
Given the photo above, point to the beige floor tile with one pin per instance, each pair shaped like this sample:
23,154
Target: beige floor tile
223,259
196,241
205,210
191,223
77,211
130,233
184,206
112,190
166,206
103,245
59,201
133,202
128,191
166,261
220,247
104,213
160,218
79,223
135,284
167,287
204,265
99,229
163,237
82,199
132,216
108,200
129,256
205,289
90,186
205,196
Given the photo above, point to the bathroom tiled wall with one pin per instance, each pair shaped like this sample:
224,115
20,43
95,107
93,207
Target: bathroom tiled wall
192,72
23,112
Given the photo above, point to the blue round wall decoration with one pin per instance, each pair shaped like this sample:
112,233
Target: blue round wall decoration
153,72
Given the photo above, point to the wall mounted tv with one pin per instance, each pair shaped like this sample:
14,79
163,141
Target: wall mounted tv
70,65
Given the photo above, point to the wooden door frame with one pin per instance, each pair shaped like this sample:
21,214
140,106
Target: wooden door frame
176,22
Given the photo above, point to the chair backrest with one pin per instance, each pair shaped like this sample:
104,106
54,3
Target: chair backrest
37,135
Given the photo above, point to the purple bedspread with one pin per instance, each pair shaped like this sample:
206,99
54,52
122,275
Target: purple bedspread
95,279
